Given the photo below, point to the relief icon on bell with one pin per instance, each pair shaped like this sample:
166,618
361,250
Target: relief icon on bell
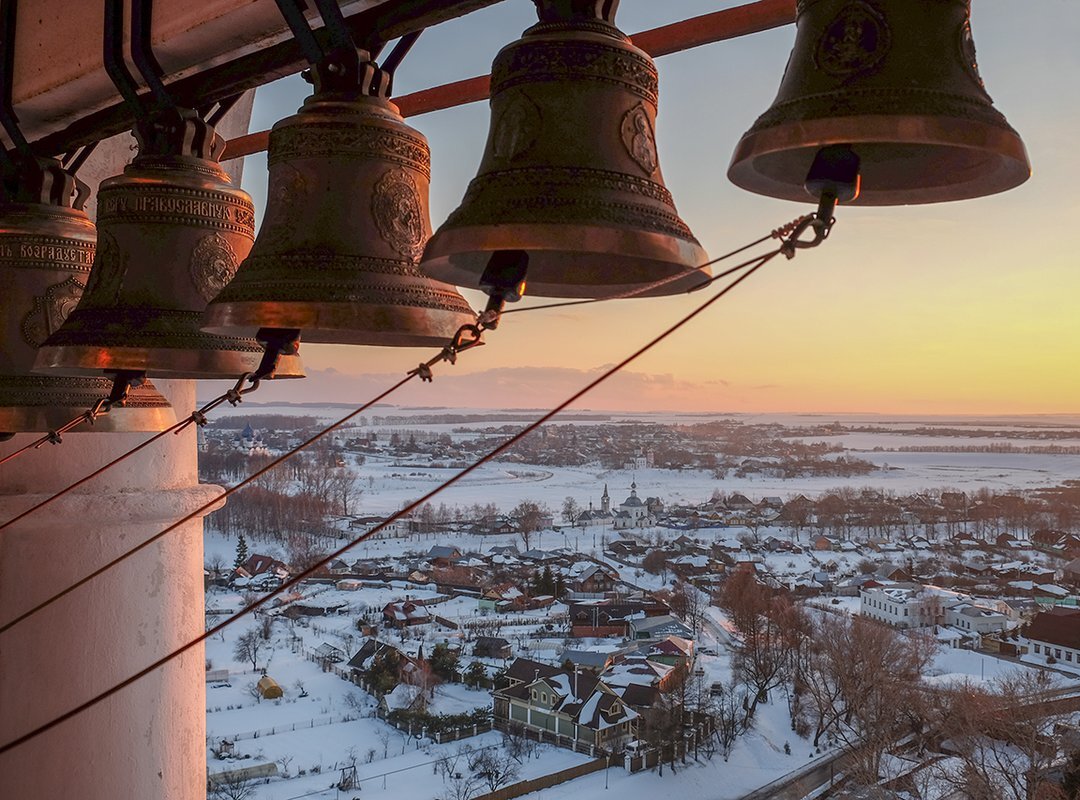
897,81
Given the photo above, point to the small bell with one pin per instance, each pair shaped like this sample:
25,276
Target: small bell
897,82
171,232
570,173
46,248
346,222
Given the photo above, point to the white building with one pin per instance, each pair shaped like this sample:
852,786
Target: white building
902,605
911,605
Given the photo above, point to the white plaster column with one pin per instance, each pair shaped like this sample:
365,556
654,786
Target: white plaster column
147,741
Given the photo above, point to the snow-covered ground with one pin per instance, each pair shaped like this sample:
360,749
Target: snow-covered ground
308,732
388,485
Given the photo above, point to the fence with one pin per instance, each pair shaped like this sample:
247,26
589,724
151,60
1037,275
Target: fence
545,781
557,739
439,737
464,732
286,728
242,774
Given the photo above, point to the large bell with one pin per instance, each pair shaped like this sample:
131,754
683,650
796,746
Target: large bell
46,248
896,80
346,221
171,232
570,174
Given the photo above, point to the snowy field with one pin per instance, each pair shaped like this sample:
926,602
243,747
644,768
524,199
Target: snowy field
390,483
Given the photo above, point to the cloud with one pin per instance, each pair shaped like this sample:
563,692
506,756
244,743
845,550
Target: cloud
507,387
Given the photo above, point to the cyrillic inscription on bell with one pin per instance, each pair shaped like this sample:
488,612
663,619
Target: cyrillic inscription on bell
346,222
46,249
172,231
570,173
897,81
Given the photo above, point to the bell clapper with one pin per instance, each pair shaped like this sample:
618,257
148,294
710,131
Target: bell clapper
276,342
833,178
504,281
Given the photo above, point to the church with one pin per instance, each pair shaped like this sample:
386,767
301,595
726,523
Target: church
631,512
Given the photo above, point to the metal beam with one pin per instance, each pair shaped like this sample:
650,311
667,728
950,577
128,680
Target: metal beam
730,23
384,22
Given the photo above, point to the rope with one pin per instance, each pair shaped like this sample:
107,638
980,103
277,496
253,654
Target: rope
198,417
233,396
56,436
467,337
777,233
255,605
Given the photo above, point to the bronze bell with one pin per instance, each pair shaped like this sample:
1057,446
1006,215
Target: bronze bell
46,248
570,174
346,221
171,232
897,81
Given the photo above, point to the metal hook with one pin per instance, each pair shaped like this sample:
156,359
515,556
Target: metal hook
113,57
397,55
142,52
8,118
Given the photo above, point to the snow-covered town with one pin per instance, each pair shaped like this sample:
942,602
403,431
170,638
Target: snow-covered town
574,628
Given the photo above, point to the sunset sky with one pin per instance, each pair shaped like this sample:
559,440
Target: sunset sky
966,307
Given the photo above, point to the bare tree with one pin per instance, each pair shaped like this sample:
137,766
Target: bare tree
529,515
345,489
248,646
726,709
517,744
571,510
1002,739
495,767
231,787
384,737
762,656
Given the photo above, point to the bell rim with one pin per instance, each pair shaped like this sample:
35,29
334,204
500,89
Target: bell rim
1013,167
336,323
458,256
155,362
120,419
54,401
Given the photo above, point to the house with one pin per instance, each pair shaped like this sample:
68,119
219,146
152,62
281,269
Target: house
405,613
1055,635
739,502
403,697
659,627
600,619
443,555
596,579
361,662
972,618
1070,573
492,647
572,707
502,597
596,661
259,568
824,542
